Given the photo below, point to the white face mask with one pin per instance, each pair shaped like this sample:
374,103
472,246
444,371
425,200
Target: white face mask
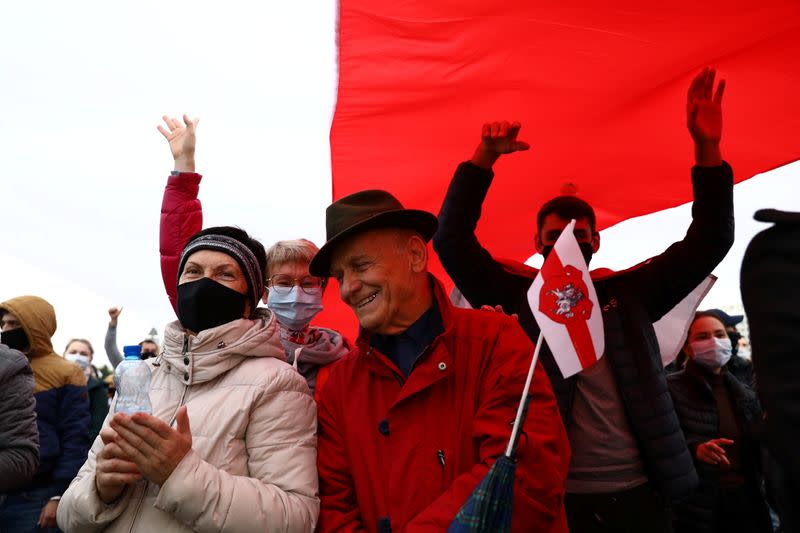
744,351
711,353
82,361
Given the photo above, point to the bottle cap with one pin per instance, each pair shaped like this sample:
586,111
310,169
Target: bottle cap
132,352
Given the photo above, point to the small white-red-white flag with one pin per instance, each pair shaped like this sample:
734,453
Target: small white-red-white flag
565,305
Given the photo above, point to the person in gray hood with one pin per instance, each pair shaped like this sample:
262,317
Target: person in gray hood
19,451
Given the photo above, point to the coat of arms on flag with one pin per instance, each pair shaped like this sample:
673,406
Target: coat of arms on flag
565,305
563,297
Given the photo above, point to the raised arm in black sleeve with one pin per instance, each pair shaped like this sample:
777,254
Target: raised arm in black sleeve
481,279
668,278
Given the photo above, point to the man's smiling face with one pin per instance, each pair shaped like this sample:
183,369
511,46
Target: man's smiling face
376,271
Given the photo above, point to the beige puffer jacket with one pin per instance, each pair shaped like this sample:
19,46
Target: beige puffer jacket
252,466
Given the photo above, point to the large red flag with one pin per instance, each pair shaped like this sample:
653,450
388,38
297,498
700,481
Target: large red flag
600,89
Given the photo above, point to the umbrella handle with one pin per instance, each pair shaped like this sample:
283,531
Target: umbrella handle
522,410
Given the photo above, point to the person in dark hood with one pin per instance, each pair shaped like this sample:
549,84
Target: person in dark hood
770,282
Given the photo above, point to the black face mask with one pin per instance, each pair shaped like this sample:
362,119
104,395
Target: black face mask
147,355
15,339
586,251
206,304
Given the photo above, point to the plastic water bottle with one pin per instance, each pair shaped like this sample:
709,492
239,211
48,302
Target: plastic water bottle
132,379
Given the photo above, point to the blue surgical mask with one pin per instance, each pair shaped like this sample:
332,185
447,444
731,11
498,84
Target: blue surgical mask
712,353
296,309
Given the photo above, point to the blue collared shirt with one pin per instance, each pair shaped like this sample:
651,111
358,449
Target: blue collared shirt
405,348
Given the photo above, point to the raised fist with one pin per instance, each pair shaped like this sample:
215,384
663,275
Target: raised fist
114,313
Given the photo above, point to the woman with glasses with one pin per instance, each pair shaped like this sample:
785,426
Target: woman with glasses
295,296
292,293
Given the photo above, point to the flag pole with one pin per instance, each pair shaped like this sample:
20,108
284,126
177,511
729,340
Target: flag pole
522,410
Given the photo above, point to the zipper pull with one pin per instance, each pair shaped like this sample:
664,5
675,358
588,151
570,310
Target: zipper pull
440,456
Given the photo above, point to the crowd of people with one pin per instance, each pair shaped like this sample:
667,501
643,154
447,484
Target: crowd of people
263,421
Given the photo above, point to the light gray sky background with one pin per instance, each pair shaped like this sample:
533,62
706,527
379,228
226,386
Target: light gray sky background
82,167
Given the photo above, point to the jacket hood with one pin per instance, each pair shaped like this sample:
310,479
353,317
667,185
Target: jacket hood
12,363
38,319
214,351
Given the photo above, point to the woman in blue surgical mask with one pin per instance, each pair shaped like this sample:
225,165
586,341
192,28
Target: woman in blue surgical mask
719,416
80,352
295,296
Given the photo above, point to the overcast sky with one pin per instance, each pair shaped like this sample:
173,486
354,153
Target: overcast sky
82,167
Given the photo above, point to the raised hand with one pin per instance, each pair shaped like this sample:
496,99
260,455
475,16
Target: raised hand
182,140
704,116
113,314
497,138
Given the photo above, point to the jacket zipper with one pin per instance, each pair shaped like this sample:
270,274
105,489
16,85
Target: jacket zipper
139,503
180,403
185,385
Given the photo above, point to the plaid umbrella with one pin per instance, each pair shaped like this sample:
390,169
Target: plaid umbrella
489,506
488,509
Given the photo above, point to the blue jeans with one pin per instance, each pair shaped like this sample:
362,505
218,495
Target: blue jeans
19,511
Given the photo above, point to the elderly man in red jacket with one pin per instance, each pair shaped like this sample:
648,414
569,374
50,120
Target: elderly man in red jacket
414,416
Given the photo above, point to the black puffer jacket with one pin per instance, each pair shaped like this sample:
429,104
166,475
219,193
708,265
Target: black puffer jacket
631,302
697,410
770,293
742,369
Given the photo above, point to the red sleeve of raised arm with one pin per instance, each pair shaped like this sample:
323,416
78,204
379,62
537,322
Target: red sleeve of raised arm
181,217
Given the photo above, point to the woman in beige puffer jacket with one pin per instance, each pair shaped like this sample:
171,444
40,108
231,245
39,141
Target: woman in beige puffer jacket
252,462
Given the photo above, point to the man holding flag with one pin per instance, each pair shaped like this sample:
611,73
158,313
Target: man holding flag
629,456
413,418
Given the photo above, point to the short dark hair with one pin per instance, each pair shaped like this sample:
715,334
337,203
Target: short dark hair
708,314
240,235
151,341
567,207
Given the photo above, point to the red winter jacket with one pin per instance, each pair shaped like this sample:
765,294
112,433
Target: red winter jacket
181,217
404,454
